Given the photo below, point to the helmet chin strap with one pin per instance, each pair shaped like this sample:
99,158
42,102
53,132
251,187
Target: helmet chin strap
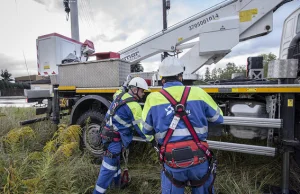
136,93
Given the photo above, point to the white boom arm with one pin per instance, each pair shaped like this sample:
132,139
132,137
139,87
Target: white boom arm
219,29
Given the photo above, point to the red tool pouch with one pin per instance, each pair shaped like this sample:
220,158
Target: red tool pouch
183,154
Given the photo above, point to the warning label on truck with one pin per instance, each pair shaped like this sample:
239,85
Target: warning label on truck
290,102
247,15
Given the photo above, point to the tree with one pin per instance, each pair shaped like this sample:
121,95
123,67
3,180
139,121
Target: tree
229,70
207,74
26,85
267,58
225,73
214,74
6,75
7,84
19,85
136,68
2,86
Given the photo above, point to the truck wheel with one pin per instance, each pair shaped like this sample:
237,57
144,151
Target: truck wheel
91,139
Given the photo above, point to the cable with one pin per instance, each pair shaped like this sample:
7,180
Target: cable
89,18
85,12
93,22
81,14
86,19
92,15
22,46
26,67
16,6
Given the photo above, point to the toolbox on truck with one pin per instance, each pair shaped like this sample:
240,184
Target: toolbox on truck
93,74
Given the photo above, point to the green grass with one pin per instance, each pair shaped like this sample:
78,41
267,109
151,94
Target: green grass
27,167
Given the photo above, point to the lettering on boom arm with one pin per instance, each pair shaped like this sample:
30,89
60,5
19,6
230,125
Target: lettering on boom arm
132,56
204,21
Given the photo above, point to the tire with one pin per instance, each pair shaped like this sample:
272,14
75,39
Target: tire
90,138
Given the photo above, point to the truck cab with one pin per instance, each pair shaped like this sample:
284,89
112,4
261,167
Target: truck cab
291,29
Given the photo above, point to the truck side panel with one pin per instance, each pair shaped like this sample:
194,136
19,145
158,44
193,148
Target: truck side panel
64,48
46,56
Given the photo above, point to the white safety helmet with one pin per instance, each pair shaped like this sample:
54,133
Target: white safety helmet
138,82
170,66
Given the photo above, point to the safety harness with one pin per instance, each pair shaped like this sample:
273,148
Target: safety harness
110,135
187,153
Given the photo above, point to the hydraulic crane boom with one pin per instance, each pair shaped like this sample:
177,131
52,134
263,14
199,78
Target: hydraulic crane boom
219,29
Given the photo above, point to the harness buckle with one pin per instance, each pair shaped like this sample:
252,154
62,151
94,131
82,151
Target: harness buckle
214,167
191,163
188,183
109,139
108,154
161,153
202,159
178,106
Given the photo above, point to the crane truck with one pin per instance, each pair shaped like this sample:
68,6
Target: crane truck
254,107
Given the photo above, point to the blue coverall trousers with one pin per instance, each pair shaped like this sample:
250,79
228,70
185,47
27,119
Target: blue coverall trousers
192,173
110,171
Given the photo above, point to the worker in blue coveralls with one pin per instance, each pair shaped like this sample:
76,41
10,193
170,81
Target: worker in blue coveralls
178,116
123,116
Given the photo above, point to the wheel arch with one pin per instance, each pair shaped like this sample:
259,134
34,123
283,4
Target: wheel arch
94,102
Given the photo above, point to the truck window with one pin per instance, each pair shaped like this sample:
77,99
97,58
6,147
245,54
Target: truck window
289,28
298,25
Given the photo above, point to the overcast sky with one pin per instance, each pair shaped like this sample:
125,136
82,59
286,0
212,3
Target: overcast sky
112,25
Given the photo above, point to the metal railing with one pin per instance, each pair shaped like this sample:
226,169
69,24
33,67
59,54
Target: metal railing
243,148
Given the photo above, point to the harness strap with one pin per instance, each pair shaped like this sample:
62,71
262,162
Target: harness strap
125,176
119,102
175,119
108,154
180,113
195,183
192,183
108,133
195,136
125,154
